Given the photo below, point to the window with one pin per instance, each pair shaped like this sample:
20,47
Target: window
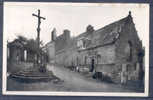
81,44
98,59
130,46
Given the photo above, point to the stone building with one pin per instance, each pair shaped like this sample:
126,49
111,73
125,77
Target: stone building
114,50
17,51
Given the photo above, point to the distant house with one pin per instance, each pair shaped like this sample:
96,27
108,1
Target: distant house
111,50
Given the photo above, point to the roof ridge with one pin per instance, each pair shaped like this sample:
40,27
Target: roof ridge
120,20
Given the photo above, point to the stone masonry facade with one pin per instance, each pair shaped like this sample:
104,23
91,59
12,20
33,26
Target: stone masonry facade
114,50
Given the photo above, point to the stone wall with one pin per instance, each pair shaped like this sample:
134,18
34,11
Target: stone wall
16,54
51,51
67,57
127,48
128,38
107,54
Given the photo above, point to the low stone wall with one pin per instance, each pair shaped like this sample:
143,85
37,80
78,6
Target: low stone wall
17,66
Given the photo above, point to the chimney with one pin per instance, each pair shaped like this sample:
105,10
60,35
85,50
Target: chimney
53,35
66,33
89,29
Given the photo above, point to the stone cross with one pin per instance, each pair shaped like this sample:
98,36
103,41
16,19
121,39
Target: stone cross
38,28
38,32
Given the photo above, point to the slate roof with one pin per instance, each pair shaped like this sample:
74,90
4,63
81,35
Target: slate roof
106,35
101,37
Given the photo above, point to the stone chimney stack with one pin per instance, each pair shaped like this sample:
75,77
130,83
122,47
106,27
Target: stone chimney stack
66,33
53,35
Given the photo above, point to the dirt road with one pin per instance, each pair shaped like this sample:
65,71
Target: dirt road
73,81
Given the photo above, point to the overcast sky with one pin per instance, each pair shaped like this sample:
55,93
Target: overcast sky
18,19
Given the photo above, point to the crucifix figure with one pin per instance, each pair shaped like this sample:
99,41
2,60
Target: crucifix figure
38,29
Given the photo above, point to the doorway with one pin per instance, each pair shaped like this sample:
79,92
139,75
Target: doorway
92,65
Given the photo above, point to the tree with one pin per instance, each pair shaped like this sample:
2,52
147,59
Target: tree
31,45
23,40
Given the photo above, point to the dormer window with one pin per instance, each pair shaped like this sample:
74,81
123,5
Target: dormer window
81,44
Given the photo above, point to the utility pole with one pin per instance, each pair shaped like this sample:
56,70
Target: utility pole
38,31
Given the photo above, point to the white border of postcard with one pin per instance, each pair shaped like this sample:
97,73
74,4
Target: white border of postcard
48,93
